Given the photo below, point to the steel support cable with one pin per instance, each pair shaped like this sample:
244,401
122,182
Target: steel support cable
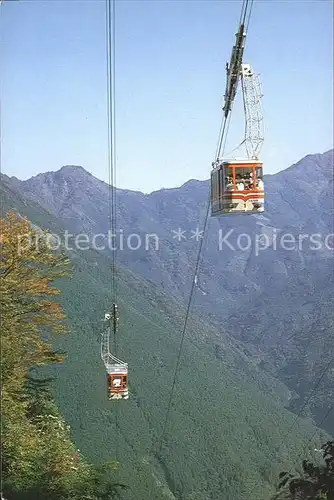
221,137
110,53
321,422
223,132
242,21
113,87
184,327
111,43
244,12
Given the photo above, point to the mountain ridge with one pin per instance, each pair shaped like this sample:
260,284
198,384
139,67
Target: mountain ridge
80,168
233,281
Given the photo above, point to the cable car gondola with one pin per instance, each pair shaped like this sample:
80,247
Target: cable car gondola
237,184
117,370
237,187
117,381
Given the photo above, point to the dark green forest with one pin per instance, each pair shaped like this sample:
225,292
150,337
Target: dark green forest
228,436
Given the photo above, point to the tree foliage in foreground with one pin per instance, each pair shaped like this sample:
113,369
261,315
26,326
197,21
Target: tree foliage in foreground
315,483
38,458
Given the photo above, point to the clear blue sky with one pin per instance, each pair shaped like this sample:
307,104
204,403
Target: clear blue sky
170,81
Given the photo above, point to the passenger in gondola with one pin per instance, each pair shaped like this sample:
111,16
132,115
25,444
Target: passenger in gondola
260,184
241,185
229,184
116,382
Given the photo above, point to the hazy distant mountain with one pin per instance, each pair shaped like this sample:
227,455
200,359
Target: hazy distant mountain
258,294
299,201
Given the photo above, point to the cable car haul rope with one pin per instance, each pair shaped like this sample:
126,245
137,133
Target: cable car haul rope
233,72
117,370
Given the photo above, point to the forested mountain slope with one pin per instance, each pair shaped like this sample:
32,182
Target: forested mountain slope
228,435
38,458
265,278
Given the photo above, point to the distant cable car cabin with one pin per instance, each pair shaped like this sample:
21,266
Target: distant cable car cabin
117,381
237,187
117,370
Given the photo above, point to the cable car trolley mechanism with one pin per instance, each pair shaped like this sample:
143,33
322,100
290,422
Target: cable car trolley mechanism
236,184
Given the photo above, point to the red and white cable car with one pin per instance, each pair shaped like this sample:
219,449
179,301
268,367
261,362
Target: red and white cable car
117,370
117,381
237,187
237,184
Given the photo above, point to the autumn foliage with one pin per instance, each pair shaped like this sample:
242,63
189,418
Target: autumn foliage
38,458
28,269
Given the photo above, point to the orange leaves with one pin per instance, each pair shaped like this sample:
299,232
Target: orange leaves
28,268
40,286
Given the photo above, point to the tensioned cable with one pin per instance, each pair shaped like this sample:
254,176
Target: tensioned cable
243,16
314,390
184,328
321,422
185,321
111,43
110,52
223,132
220,146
